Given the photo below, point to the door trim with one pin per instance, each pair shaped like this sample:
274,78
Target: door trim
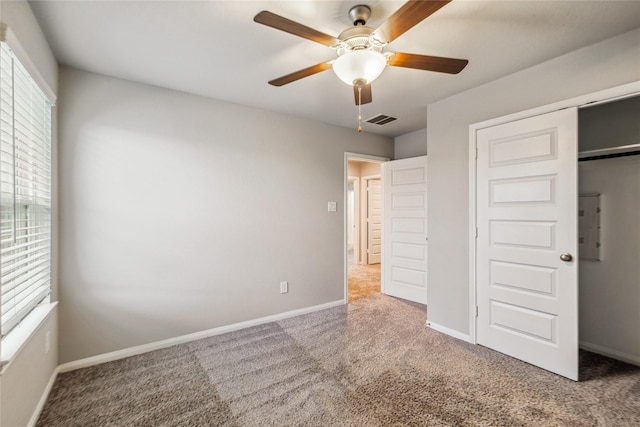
606,95
345,179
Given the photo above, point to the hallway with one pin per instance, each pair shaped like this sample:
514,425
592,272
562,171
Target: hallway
363,280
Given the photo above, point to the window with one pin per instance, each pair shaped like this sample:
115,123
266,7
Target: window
25,192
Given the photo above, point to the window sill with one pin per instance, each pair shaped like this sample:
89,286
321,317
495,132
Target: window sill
21,334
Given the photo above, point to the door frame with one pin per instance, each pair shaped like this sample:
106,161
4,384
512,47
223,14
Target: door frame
345,180
602,96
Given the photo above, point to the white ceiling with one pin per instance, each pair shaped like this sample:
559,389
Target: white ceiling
214,49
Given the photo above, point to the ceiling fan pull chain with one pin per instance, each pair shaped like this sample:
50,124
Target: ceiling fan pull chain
359,108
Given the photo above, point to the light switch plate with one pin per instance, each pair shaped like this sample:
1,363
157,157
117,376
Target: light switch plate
332,206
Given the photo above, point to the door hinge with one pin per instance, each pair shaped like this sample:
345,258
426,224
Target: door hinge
476,153
476,311
476,232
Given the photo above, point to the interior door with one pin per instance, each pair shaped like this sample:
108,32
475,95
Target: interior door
404,269
374,221
527,284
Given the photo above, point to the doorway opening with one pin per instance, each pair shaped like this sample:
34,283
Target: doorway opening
609,228
363,223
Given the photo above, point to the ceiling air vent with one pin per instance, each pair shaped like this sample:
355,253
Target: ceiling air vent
381,119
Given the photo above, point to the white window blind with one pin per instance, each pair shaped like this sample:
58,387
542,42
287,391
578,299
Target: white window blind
25,192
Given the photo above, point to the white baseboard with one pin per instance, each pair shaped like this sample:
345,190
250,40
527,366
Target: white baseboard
448,331
43,399
614,354
133,351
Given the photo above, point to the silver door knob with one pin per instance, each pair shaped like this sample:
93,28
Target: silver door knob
566,257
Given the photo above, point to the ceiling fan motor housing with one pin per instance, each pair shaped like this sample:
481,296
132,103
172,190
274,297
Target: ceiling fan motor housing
358,38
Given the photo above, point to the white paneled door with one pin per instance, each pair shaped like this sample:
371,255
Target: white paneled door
374,221
404,268
526,267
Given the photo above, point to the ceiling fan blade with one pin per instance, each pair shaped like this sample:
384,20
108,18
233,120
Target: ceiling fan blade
365,97
287,25
410,14
428,63
297,75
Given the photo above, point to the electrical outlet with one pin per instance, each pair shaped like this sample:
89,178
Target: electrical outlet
284,287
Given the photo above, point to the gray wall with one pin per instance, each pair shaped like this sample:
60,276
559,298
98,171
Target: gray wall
610,63
412,144
181,213
25,378
610,288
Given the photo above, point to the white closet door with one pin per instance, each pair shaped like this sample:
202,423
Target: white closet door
527,273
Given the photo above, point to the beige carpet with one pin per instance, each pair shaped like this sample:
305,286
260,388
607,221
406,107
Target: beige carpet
363,280
371,363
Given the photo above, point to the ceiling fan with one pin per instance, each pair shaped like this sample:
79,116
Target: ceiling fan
360,49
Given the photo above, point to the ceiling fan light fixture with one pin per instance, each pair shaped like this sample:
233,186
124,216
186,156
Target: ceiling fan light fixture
359,65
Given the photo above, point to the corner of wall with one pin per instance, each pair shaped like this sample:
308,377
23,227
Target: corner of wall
412,144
